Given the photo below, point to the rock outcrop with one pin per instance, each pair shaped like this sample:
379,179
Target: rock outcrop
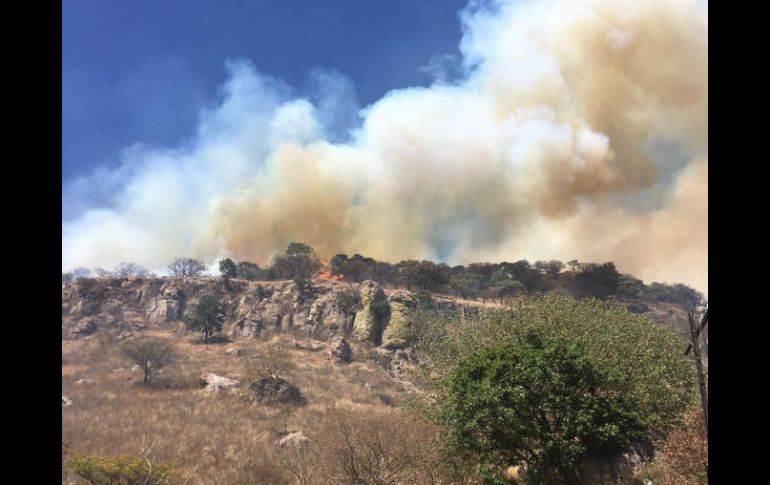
124,304
402,305
367,325
273,391
324,311
340,350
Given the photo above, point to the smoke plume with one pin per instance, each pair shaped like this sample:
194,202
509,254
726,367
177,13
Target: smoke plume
576,130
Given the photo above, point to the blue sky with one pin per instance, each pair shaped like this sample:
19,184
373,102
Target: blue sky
141,71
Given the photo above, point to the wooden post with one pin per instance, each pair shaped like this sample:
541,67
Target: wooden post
698,366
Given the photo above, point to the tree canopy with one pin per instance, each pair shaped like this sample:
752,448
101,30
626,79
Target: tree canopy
537,403
205,317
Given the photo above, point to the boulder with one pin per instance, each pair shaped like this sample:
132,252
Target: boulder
214,383
162,310
340,350
294,441
271,391
311,346
85,326
234,351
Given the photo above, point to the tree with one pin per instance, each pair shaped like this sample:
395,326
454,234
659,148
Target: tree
465,284
228,268
642,359
540,266
249,271
206,317
104,273
186,267
298,262
553,267
337,264
126,270
598,280
272,362
150,354
630,287
535,403
425,275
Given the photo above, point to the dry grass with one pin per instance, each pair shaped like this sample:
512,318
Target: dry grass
213,439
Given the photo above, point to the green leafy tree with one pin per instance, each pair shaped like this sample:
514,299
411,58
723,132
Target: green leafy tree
206,317
298,262
535,403
228,268
465,283
598,280
641,359
631,287
249,271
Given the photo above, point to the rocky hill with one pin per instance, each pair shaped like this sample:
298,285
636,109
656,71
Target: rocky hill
324,310
365,311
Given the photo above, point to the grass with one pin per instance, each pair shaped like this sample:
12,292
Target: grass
212,439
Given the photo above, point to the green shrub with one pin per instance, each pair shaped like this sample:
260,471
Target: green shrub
535,403
260,292
641,359
121,470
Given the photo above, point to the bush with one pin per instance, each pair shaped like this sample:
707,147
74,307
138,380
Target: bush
357,446
641,359
684,454
260,292
348,299
535,403
121,470
272,362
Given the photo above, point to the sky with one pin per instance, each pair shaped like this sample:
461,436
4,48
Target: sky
141,71
496,130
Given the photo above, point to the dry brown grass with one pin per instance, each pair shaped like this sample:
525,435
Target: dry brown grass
213,439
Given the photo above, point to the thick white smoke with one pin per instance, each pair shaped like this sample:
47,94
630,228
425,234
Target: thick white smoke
549,146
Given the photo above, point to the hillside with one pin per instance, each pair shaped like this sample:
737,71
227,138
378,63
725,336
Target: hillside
256,309
216,435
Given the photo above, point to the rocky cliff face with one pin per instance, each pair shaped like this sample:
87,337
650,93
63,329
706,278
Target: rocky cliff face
325,310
